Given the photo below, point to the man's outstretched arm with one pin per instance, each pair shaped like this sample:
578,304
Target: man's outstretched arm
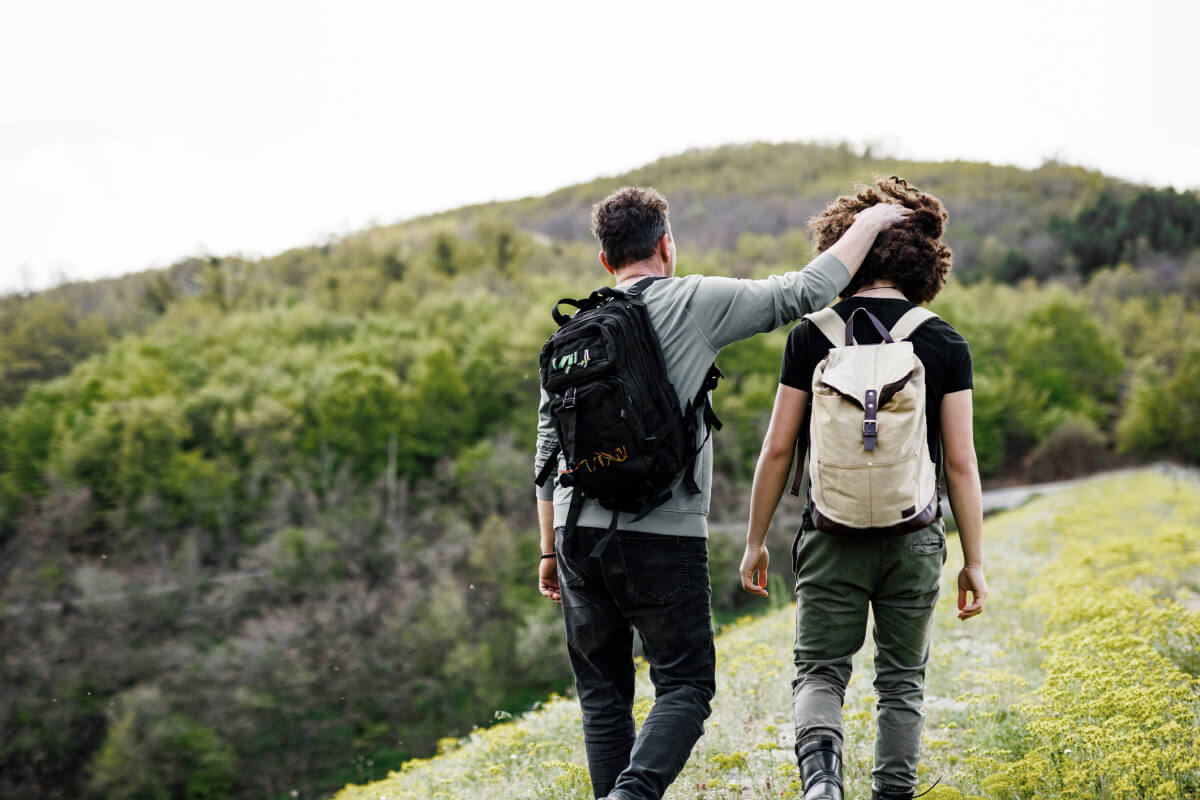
770,477
966,498
729,310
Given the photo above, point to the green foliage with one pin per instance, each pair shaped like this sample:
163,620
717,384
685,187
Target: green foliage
42,337
1063,350
150,753
1163,415
1108,231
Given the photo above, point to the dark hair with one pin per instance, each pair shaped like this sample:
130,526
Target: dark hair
910,254
629,223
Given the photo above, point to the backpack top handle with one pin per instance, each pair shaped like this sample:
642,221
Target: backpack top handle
887,337
596,298
561,318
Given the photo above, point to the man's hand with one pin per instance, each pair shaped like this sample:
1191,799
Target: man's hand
856,242
548,579
881,216
755,560
970,579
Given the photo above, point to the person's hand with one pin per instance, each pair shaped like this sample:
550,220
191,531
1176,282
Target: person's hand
881,216
548,579
970,579
755,559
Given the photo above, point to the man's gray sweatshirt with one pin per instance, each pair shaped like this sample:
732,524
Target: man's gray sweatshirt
694,318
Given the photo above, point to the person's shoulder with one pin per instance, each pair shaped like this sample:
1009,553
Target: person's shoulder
667,293
944,331
800,331
673,288
938,339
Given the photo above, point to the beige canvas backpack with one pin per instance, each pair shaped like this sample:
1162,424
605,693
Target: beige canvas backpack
869,463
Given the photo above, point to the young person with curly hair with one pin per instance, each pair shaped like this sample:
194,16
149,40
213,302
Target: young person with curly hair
652,574
839,576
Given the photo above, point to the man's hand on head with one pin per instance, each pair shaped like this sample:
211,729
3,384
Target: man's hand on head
882,216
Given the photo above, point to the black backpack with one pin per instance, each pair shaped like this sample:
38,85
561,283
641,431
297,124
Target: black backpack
617,415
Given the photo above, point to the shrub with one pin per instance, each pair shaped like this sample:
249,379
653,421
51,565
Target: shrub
150,753
1075,447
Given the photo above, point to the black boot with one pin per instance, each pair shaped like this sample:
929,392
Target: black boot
820,759
891,793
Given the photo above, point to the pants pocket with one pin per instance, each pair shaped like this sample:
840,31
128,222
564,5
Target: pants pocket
569,572
930,540
658,568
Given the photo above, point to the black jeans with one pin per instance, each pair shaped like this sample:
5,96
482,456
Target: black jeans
658,585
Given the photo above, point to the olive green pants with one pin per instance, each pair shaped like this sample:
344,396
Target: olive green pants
838,577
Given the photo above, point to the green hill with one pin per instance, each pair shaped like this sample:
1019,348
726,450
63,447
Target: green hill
1077,682
230,489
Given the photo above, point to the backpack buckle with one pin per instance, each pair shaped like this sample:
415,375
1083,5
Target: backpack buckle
712,378
870,427
569,399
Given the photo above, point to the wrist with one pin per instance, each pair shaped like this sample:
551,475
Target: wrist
549,555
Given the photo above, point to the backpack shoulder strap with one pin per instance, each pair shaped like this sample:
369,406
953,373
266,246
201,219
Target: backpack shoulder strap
830,324
907,325
642,285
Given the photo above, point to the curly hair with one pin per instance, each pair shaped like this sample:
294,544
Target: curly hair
629,223
910,254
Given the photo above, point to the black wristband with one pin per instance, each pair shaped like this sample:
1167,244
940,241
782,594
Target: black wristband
548,555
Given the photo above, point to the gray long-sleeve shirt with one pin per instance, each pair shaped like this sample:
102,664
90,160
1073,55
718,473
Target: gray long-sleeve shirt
694,318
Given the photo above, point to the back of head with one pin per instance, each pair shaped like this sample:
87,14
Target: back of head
910,255
629,224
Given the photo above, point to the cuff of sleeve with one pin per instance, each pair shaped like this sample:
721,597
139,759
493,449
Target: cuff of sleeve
832,268
546,491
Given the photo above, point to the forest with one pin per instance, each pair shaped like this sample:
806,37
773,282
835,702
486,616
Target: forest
267,524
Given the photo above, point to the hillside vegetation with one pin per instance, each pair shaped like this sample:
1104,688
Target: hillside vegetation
264,521
1079,681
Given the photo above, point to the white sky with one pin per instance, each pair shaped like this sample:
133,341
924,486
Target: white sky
135,133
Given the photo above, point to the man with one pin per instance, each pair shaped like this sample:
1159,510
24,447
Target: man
838,575
653,574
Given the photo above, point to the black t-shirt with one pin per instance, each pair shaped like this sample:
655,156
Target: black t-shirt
943,351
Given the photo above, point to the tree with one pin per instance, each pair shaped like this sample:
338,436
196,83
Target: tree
150,753
1163,414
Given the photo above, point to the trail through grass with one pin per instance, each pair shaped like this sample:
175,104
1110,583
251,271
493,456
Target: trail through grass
1079,681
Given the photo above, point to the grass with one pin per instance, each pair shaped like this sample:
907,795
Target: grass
1079,681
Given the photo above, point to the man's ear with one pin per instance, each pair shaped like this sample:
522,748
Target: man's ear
664,248
604,261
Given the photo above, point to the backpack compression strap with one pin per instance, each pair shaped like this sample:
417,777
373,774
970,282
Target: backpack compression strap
548,466
691,427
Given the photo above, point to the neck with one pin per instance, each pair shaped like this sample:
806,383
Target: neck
638,270
881,288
